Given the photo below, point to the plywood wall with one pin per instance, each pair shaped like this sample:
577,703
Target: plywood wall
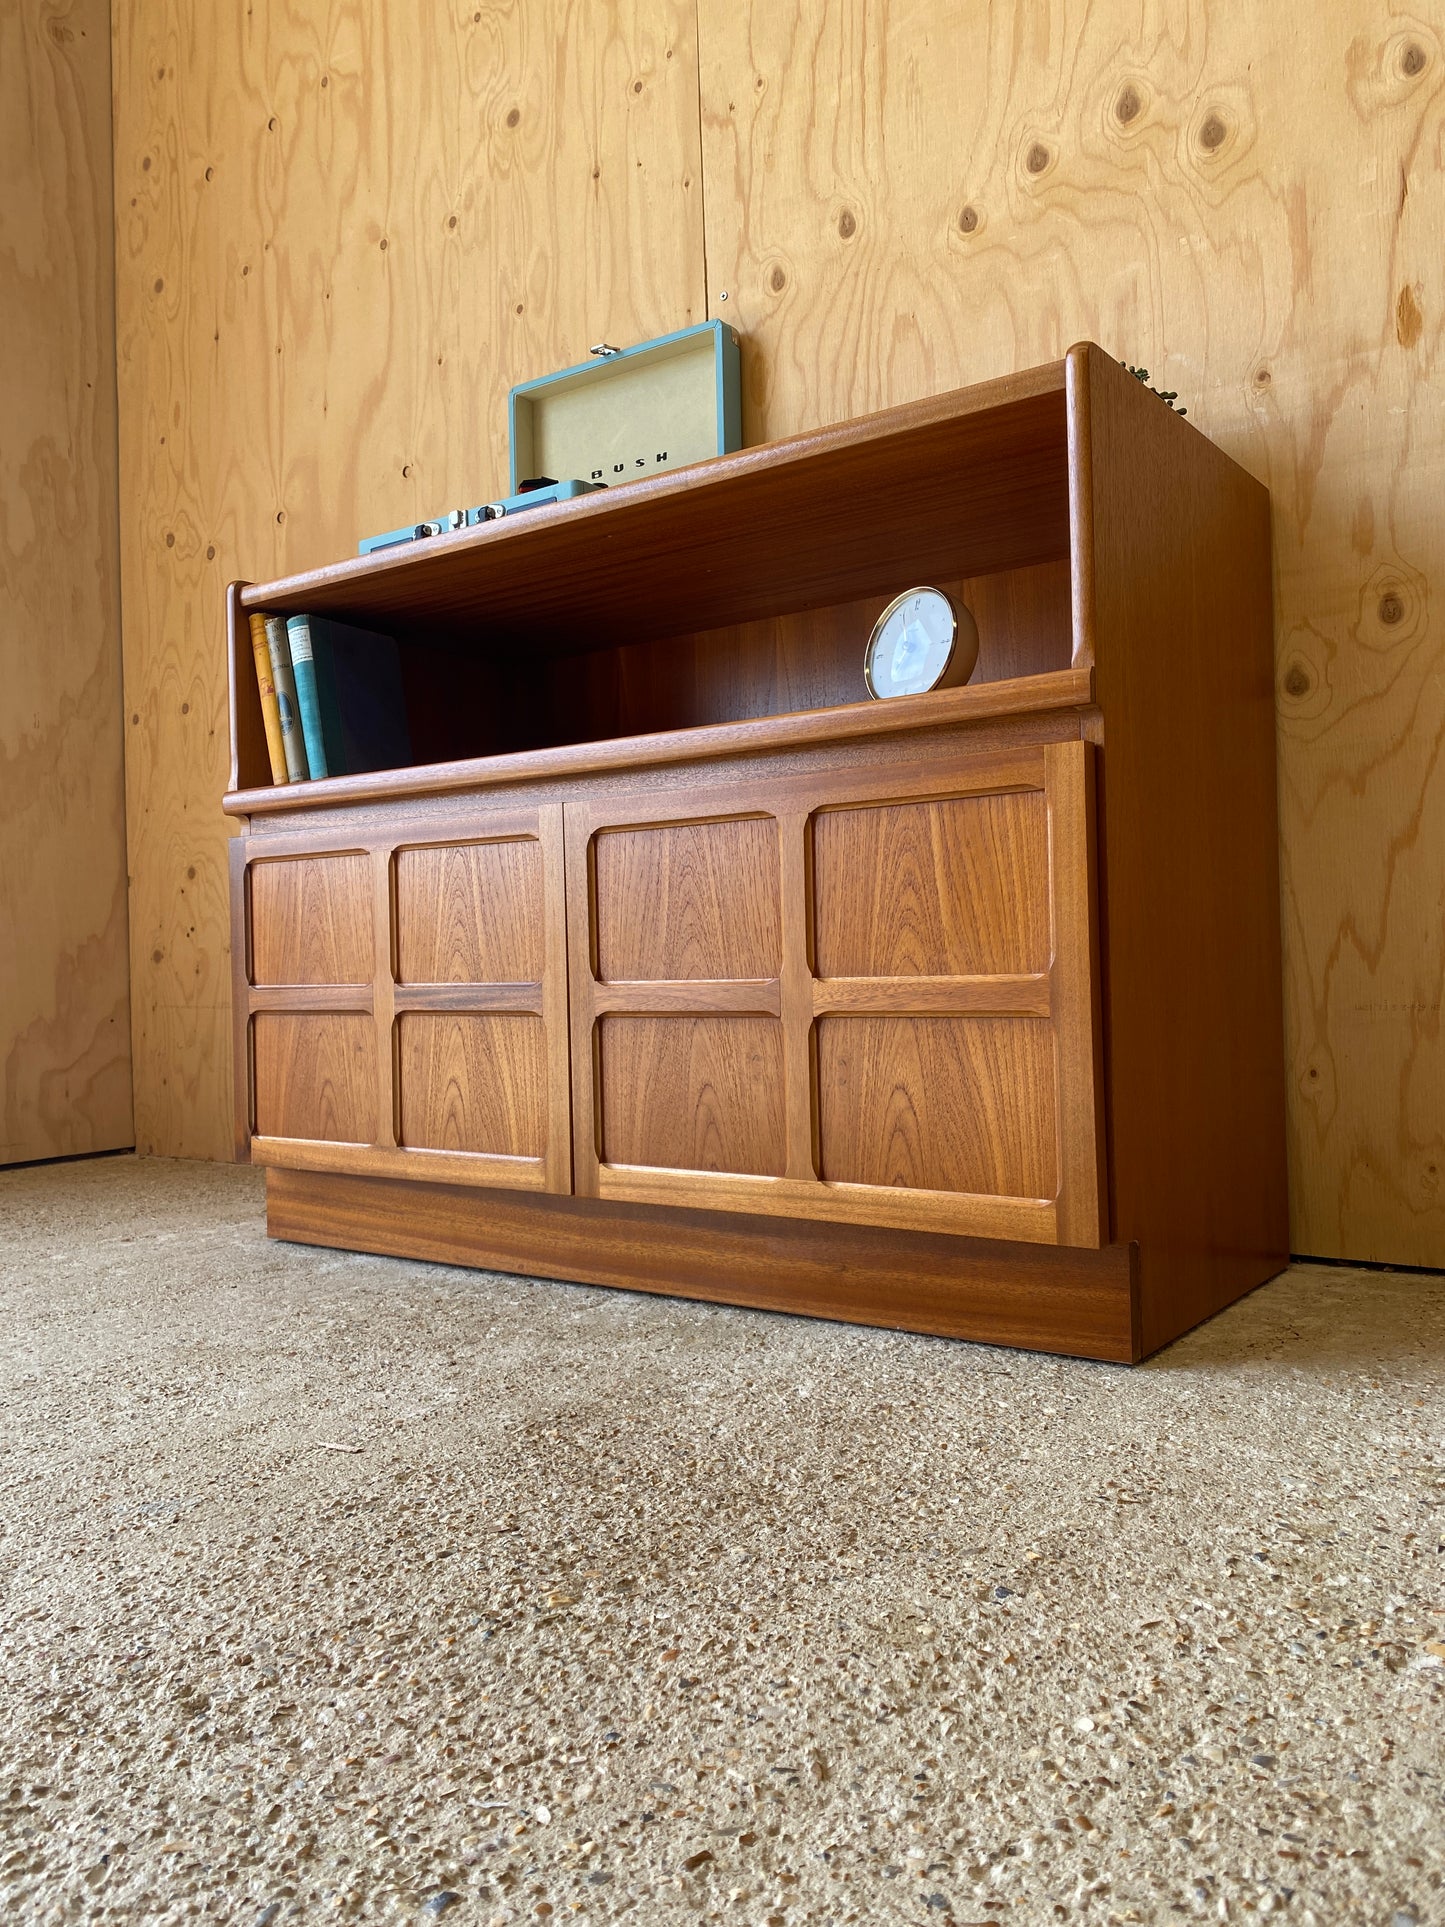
341,239
341,235
64,996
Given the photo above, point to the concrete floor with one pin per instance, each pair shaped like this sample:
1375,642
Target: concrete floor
340,1587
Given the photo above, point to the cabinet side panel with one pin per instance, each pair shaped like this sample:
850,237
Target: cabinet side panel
315,1075
939,1104
1189,883
311,920
954,888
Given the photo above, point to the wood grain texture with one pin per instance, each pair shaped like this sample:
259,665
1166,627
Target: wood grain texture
692,1093
315,1076
938,1104
1188,873
311,920
955,888
339,238
807,659
65,1074
470,914
1075,1302
900,199
687,900
937,1115
473,1082
462,1075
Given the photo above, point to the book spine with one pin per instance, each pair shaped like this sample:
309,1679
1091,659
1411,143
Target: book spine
303,671
338,750
292,739
270,708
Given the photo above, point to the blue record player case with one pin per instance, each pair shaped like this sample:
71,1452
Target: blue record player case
631,412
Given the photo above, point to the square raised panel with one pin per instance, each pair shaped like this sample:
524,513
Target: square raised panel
957,887
470,913
311,920
964,1104
688,901
315,1075
702,1093
473,1081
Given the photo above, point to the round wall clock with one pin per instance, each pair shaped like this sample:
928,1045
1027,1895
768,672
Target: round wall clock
920,642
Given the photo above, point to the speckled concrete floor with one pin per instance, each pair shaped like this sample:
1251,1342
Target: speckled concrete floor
340,1587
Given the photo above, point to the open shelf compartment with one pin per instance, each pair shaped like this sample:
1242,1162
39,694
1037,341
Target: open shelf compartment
738,591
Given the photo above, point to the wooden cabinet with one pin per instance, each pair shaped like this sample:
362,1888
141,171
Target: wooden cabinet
691,969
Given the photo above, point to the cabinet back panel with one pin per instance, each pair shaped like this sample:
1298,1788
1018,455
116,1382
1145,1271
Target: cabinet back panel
954,888
939,1104
315,1075
469,913
473,1081
693,1093
812,659
688,901
311,920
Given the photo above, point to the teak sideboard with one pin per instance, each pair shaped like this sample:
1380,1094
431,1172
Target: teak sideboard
674,963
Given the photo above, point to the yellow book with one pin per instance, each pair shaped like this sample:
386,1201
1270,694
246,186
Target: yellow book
270,708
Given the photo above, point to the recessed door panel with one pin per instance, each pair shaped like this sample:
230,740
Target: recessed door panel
311,920
956,887
961,1104
688,901
470,913
315,1076
473,1081
692,1093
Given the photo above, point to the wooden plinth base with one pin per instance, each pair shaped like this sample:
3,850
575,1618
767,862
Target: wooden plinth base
1046,1298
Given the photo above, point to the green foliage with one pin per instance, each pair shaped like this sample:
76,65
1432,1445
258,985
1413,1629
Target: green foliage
1170,395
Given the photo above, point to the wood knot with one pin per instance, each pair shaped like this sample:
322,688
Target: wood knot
1392,609
1037,158
1126,107
1212,134
1412,60
513,116
1297,680
847,224
777,280
1408,319
968,220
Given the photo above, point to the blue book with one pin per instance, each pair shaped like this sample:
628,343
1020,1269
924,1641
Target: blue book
351,696
320,723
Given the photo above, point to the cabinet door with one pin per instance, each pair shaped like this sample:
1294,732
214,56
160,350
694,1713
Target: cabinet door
848,995
403,1009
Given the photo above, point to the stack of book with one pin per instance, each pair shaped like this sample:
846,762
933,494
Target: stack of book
331,696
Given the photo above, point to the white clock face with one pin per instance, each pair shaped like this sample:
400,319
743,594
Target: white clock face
912,643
